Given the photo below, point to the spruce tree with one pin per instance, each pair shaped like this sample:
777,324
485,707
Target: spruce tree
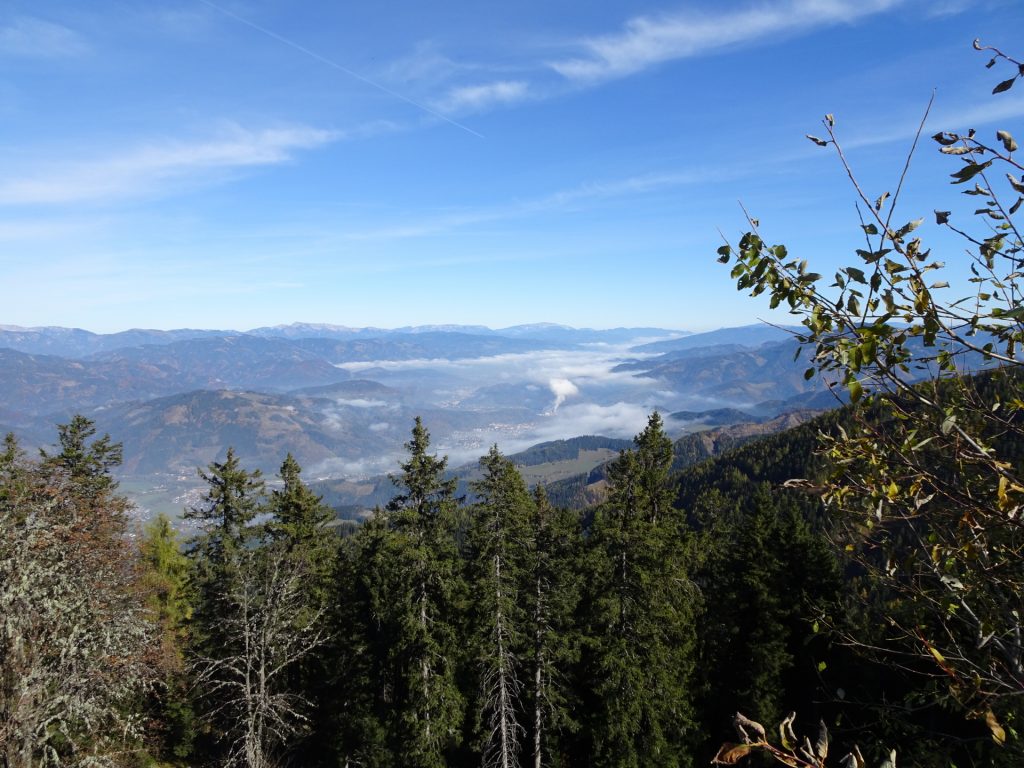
552,599
421,571
360,675
225,517
500,545
89,465
744,638
298,534
299,523
642,628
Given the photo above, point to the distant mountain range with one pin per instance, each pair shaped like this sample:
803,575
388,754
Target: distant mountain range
78,343
738,375
342,400
743,336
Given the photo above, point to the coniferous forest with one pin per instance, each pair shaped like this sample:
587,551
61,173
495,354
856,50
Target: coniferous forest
493,629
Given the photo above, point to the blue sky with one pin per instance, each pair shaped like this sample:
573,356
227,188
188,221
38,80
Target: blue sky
240,163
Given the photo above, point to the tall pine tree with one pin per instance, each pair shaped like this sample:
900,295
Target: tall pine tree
552,600
500,545
421,571
225,517
642,626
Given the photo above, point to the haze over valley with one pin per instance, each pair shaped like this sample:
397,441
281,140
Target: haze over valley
342,400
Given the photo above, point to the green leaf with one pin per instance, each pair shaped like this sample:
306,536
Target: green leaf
872,256
909,227
942,217
881,201
856,390
969,171
816,140
856,274
945,139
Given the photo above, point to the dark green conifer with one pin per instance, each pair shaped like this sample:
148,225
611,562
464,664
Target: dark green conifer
552,599
89,465
500,546
299,524
225,517
420,571
298,534
642,627
359,671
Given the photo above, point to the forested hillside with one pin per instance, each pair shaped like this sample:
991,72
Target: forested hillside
442,632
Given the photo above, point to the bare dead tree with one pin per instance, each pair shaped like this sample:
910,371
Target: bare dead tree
248,685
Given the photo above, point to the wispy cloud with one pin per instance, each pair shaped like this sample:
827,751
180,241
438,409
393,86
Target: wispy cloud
473,98
557,201
649,40
35,38
145,169
959,119
424,65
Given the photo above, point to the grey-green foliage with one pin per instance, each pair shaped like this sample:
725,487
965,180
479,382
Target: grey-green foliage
73,629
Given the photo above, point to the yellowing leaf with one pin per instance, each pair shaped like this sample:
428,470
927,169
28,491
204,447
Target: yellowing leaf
998,734
730,754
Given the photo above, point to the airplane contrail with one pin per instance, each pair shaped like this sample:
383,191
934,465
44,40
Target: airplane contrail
337,66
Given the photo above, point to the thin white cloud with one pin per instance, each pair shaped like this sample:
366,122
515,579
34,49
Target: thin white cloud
958,119
649,40
473,98
947,8
556,201
144,169
34,38
424,65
